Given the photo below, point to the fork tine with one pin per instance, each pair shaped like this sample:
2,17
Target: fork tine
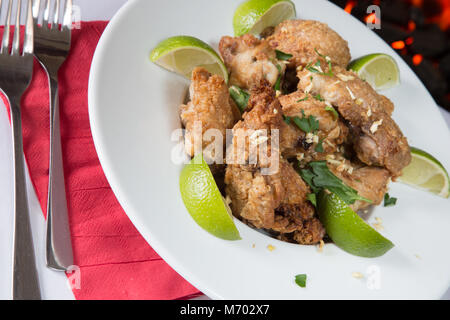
28,43
67,20
16,38
56,14
5,42
36,9
46,13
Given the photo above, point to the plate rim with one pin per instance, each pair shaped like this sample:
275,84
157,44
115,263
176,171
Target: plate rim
106,164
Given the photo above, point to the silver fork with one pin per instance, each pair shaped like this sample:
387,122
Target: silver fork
52,45
16,70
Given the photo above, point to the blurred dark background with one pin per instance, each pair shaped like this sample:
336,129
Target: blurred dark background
419,30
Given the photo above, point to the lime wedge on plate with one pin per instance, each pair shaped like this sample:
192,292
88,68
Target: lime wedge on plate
253,16
181,54
379,70
348,230
204,201
427,173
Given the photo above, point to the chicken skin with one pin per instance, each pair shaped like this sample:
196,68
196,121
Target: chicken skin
370,182
250,60
376,138
211,107
278,201
332,131
304,38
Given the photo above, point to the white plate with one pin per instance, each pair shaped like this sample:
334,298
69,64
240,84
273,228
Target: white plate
133,108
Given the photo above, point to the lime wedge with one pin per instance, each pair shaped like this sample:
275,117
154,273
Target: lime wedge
253,16
379,70
348,231
204,201
181,54
427,173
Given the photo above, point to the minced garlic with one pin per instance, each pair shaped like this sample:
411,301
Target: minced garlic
375,126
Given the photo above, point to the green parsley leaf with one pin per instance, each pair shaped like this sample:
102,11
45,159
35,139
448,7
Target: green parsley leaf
312,198
277,86
319,146
319,177
304,99
240,97
319,97
300,280
388,201
330,71
287,119
310,124
282,55
333,111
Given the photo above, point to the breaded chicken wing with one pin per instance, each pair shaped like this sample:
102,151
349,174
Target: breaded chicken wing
370,182
332,132
211,107
277,201
302,38
250,60
377,139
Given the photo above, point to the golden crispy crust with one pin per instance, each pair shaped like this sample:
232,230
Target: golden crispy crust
332,132
377,139
276,202
301,37
250,60
210,105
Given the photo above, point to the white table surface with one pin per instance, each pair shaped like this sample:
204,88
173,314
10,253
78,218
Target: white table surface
54,285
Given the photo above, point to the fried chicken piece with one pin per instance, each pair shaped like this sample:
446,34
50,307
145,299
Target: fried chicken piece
370,182
376,138
261,121
332,132
250,60
275,201
302,38
211,107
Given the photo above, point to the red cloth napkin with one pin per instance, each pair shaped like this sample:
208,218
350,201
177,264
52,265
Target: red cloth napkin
114,259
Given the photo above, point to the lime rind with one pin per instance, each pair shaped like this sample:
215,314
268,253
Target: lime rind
364,67
173,54
204,202
249,15
348,230
426,178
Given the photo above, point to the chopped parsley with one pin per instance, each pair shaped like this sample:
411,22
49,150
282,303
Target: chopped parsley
310,124
333,111
304,99
313,68
240,97
300,280
319,97
282,55
388,201
277,86
319,177
306,124
287,119
312,198
319,146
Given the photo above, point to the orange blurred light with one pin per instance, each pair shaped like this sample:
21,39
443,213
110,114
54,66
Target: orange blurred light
398,45
409,41
411,25
417,59
349,6
371,18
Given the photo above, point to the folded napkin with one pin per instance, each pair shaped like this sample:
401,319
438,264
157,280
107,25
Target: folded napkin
114,259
